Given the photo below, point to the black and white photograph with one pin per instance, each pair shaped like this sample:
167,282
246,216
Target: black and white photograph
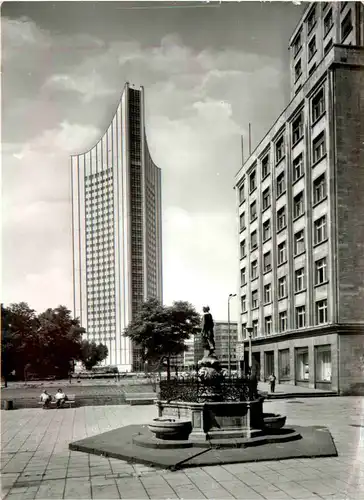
182,309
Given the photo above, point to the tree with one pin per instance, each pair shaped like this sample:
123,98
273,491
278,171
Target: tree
92,354
59,338
9,345
45,344
161,331
19,323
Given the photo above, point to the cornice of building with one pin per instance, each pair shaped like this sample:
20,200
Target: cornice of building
314,331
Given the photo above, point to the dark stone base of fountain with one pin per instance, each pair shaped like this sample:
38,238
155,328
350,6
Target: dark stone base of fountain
221,442
120,443
217,419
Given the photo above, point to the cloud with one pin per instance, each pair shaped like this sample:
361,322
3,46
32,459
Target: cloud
36,218
22,32
59,101
89,87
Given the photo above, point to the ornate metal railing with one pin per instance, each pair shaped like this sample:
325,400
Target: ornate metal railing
197,390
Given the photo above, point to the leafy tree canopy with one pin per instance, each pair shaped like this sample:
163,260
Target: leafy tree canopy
43,344
161,331
92,354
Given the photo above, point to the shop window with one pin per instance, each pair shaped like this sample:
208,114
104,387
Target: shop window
284,364
302,366
323,367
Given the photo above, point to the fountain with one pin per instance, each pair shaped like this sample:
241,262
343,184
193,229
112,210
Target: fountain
211,406
209,419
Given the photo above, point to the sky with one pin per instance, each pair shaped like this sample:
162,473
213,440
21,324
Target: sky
208,69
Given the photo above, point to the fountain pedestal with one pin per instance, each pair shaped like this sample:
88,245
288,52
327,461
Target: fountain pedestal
217,407
217,419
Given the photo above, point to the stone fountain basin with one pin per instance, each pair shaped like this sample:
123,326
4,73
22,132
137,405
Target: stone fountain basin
273,420
170,428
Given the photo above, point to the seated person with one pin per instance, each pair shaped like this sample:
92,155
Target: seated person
60,398
45,399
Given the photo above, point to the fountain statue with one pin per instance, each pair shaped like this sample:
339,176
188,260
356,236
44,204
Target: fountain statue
209,365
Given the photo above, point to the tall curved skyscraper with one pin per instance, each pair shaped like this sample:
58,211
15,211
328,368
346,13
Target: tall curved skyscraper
117,234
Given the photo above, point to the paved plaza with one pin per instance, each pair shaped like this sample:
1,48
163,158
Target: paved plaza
36,462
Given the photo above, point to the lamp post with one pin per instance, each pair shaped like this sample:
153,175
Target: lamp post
249,330
231,295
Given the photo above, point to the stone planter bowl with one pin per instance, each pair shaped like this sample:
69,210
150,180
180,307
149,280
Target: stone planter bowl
170,428
273,421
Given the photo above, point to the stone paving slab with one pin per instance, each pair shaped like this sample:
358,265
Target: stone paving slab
34,439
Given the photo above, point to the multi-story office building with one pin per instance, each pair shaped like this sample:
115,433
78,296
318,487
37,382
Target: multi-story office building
221,333
301,214
116,220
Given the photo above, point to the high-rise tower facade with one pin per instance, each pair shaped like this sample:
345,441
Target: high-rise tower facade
117,234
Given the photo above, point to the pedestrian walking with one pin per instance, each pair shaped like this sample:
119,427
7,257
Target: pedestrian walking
272,382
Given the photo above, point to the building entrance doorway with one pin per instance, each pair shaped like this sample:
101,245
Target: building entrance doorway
268,364
256,364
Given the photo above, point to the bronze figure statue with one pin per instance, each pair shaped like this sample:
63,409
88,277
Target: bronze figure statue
208,340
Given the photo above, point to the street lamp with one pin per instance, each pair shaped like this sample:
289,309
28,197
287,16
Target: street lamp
229,340
249,330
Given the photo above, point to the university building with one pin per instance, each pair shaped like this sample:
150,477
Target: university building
116,223
301,215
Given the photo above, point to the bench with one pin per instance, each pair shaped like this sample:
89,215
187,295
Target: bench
140,398
70,401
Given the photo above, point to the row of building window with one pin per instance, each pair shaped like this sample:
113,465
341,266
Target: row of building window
99,209
110,316
103,338
106,172
107,293
103,177
99,219
300,320
101,288
328,22
346,28
318,152
109,322
100,249
319,194
102,205
99,244
320,278
98,229
319,236
94,304
101,270
96,193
